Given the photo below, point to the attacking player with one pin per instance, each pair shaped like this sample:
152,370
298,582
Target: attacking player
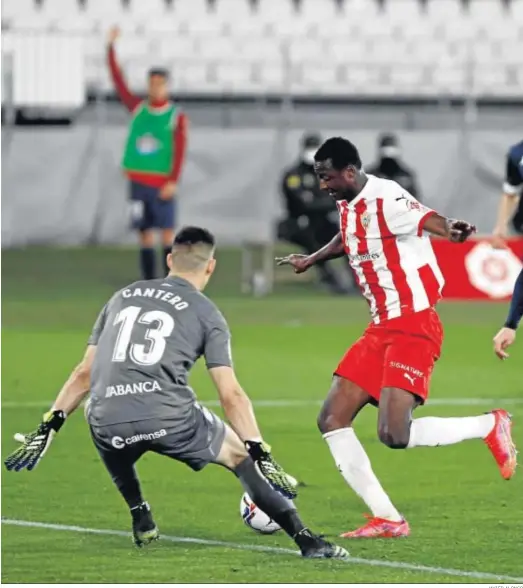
143,344
383,231
507,335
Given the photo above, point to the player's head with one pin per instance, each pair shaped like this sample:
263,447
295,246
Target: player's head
158,88
310,143
338,167
192,255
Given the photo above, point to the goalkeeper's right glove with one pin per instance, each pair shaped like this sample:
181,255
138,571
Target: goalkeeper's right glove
271,470
35,444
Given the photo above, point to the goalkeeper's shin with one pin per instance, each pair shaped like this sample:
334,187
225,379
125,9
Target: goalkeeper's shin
269,500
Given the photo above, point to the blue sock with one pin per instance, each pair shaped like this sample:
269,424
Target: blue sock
166,251
148,263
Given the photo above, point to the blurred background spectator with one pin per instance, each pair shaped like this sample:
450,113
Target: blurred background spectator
390,166
311,219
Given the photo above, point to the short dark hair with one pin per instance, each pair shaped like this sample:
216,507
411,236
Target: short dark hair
340,151
194,236
159,71
193,248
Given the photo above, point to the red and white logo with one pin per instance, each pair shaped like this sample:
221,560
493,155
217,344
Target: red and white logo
492,271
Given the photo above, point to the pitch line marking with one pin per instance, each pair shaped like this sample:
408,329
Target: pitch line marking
268,549
305,403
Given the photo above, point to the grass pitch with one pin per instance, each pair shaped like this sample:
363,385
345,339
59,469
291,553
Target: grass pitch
463,515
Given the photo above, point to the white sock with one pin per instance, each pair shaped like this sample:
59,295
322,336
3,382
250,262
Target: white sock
354,465
434,431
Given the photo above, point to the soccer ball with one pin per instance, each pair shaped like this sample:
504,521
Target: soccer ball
255,518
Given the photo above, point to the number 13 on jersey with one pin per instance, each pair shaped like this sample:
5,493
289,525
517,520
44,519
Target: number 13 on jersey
152,351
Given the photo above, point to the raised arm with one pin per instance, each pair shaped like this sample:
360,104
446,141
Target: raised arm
129,99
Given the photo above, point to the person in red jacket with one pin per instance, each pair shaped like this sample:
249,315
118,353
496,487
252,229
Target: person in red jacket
153,159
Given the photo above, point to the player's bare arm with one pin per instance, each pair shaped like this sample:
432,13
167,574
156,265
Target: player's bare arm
301,263
507,335
506,209
35,444
454,230
240,415
235,403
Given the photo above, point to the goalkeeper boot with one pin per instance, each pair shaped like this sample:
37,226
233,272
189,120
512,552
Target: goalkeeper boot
144,528
315,547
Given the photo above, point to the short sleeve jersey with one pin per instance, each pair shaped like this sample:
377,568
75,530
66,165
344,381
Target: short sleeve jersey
148,337
393,259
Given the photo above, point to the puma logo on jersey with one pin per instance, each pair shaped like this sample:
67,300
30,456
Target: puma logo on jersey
410,378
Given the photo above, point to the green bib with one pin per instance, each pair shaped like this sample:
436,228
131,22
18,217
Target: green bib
149,147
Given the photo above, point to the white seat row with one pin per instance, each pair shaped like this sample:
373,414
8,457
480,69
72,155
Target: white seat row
195,76
324,11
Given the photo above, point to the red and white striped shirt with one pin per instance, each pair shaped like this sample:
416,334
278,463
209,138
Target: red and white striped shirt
394,263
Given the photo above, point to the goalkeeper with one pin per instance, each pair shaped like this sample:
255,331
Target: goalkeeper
143,344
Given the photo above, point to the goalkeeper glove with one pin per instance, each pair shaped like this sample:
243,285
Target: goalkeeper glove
35,444
271,470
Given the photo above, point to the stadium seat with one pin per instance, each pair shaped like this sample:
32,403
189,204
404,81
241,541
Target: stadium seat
190,8
234,76
61,9
178,48
345,50
18,8
449,80
192,77
489,81
149,9
273,76
233,10
217,48
317,76
487,12
276,10
316,12
203,26
404,12
439,11
259,48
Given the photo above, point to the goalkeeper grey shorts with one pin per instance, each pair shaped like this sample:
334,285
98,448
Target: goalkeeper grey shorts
195,442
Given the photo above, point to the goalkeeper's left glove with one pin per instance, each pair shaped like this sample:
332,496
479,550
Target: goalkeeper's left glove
35,444
271,470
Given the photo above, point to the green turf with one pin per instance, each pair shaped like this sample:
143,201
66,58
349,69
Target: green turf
463,515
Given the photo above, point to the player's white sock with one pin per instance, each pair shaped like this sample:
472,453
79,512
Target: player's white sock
354,465
434,431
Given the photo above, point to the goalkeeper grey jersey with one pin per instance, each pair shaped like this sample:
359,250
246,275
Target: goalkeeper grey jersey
148,337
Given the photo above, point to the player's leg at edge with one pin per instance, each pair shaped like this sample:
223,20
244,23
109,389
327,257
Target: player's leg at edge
397,430
235,458
342,405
